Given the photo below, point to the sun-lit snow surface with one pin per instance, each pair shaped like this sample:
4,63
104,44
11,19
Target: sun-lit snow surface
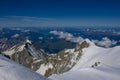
10,70
96,63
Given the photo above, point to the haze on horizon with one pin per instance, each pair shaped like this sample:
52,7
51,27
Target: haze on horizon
38,13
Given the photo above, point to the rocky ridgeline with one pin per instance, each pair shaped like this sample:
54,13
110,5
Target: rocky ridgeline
46,64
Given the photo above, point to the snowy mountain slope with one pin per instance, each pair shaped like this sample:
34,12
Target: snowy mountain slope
43,63
96,63
10,70
100,73
94,54
17,48
26,54
86,61
21,47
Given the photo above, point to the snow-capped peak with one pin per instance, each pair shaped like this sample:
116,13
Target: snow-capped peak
17,48
14,49
28,41
96,63
90,42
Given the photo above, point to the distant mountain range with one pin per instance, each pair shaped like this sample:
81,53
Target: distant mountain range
51,43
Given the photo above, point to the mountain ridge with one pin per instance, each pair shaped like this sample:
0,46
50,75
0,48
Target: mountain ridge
86,59
96,63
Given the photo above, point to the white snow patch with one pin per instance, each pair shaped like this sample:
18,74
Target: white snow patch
15,35
69,51
28,41
65,55
9,52
59,58
43,68
36,61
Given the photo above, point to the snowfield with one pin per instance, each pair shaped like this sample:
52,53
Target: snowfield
10,70
96,63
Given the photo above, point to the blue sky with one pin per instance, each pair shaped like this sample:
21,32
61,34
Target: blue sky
59,13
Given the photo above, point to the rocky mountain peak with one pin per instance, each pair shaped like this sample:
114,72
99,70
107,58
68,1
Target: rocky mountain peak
82,45
28,41
26,54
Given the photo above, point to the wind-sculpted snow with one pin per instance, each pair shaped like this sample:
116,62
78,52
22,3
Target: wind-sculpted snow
96,63
10,70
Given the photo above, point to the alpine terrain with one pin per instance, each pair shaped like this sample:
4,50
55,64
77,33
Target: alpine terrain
86,61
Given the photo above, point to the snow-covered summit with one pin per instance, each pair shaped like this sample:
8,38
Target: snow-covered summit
28,41
96,63
89,42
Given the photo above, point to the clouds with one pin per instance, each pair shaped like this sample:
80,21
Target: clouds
40,38
67,36
15,36
105,42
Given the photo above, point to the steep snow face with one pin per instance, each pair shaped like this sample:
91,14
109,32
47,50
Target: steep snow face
34,52
96,63
28,41
94,54
17,48
10,70
14,49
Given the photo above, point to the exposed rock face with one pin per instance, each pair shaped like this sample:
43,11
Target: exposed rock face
25,53
3,41
81,46
66,59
